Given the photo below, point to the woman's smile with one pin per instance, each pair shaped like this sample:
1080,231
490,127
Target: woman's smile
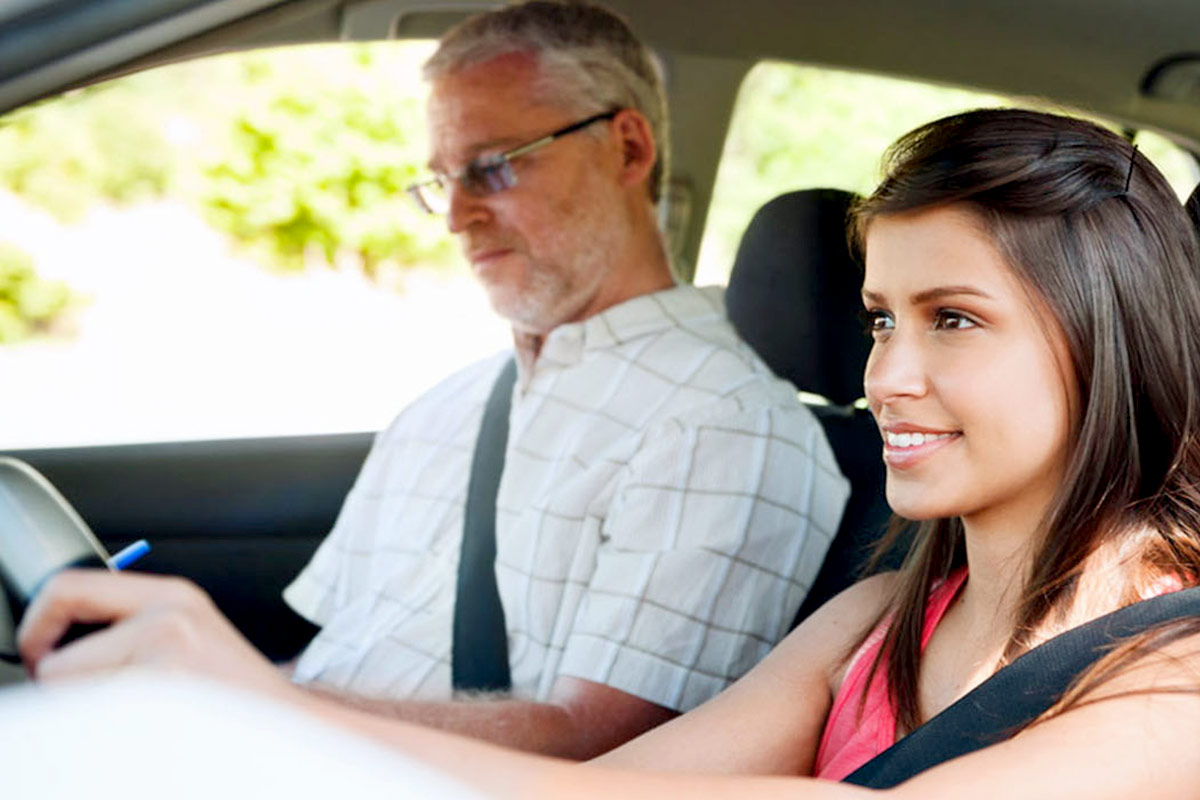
905,447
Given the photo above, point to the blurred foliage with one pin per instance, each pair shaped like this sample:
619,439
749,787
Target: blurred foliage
302,154
322,169
797,127
92,145
27,303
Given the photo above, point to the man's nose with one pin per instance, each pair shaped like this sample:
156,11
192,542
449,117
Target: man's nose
465,209
896,368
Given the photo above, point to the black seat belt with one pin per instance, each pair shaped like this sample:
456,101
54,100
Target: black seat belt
479,654
1018,694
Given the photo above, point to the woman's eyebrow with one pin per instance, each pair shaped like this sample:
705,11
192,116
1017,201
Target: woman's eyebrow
929,295
939,292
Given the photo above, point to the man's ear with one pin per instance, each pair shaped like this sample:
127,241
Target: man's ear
638,151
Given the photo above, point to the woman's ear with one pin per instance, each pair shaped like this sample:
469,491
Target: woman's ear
638,149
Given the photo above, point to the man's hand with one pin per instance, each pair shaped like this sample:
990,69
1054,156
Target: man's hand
153,621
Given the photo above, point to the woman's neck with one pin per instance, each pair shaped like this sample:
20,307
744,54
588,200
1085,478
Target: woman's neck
1000,550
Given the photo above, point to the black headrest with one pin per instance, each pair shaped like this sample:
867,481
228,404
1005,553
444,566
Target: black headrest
794,293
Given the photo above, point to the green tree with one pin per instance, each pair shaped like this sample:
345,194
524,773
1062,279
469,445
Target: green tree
324,169
294,152
100,144
28,304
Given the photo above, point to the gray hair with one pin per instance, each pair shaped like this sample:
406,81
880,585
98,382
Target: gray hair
588,61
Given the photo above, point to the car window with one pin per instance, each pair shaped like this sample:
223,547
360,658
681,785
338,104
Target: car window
797,127
223,248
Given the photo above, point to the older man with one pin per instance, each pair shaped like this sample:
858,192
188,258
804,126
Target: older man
665,501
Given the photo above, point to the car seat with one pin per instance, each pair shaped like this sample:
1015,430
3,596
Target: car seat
794,296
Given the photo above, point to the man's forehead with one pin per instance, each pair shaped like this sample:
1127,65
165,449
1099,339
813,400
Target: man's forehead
516,61
493,103
512,76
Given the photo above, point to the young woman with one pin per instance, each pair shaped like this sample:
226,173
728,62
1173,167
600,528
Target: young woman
1033,294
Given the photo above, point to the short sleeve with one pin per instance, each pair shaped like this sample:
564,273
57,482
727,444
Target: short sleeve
314,593
716,531
406,501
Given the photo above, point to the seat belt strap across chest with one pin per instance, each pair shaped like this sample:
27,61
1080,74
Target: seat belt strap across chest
1018,694
479,651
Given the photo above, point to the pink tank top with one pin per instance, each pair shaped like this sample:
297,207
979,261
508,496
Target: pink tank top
852,736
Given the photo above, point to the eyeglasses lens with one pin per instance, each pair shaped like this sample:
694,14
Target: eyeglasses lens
484,179
479,180
431,196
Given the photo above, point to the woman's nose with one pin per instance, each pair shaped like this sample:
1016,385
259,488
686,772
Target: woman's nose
896,368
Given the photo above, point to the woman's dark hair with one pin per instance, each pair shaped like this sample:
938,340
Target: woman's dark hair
1094,231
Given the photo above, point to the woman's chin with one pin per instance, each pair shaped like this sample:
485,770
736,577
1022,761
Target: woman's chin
917,509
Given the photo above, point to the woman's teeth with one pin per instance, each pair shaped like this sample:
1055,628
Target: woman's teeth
913,439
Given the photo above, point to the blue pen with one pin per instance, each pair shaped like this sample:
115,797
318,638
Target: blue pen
128,555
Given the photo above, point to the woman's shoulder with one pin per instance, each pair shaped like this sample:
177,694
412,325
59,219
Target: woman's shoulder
835,629
863,601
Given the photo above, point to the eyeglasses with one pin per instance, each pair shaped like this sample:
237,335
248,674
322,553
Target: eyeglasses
488,174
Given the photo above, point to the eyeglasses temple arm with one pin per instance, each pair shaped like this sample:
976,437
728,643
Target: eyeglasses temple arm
550,137
534,145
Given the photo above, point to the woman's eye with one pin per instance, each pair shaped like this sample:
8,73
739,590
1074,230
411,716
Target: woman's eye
876,322
948,319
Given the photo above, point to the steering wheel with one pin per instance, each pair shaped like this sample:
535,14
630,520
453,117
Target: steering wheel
40,534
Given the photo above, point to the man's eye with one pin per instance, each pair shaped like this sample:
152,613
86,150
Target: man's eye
949,319
875,321
486,177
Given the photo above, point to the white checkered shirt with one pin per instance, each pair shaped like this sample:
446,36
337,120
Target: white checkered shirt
665,505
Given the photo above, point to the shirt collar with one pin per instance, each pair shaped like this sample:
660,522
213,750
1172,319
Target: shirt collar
644,315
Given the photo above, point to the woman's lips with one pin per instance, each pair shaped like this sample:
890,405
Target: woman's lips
903,449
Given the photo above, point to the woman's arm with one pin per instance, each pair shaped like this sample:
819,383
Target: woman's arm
500,773
1138,740
769,722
